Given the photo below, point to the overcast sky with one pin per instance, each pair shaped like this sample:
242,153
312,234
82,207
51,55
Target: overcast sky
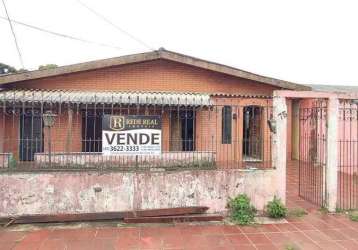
304,41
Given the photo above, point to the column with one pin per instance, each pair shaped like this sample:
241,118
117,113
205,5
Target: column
332,153
279,144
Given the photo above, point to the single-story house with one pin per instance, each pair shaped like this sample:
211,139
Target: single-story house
208,110
220,130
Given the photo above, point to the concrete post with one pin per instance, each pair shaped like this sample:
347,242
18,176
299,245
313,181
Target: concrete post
279,144
332,154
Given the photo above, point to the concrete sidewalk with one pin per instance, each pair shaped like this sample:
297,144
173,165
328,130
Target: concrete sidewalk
314,231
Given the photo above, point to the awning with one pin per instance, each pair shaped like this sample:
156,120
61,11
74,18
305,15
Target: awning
105,97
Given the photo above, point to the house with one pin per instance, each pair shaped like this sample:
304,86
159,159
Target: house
223,130
162,129
208,110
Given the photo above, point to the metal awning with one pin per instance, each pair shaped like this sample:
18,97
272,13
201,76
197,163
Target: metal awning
105,97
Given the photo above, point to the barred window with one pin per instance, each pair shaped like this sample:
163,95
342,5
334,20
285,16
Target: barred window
226,124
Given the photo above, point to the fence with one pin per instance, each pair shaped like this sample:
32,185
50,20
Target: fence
313,146
194,135
348,155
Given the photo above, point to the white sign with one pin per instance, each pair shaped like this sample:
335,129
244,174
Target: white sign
131,135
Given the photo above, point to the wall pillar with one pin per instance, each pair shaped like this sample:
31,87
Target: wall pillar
296,129
279,154
69,130
332,153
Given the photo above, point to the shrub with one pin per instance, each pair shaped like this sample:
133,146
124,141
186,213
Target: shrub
276,209
241,210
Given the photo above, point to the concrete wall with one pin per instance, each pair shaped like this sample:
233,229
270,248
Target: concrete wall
74,192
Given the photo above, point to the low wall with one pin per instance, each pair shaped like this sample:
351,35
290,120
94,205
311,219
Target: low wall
166,158
76,192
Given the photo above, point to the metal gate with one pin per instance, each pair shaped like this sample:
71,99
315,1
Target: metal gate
348,155
312,156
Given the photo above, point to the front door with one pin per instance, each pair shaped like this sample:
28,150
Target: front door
252,133
31,135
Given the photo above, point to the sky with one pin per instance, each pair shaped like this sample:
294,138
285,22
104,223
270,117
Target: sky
302,41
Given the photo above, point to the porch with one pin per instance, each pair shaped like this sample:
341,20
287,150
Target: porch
198,130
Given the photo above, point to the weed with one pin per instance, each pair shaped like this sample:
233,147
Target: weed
291,247
241,210
12,162
276,209
353,215
339,210
324,210
296,212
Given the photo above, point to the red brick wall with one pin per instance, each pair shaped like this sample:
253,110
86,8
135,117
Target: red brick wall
66,136
232,153
9,135
158,75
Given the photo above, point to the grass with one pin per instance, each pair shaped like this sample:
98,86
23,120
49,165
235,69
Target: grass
296,212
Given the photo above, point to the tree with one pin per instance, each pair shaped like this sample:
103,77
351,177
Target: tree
6,69
48,66
22,70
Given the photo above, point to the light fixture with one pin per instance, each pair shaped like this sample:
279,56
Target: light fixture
272,125
49,119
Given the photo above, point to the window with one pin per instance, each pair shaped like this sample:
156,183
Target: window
182,130
31,134
91,132
226,124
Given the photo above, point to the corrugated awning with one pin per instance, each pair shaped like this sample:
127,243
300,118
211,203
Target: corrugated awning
106,97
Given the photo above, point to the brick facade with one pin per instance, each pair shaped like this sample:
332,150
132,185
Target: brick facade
156,75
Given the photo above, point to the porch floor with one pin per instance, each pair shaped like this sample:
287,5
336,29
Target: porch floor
313,231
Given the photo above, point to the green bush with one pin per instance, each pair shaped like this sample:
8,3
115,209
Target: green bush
276,209
241,210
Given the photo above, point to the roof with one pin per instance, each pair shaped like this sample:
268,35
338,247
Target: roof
105,97
148,56
334,88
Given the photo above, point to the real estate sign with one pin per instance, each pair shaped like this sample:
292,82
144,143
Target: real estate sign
131,135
